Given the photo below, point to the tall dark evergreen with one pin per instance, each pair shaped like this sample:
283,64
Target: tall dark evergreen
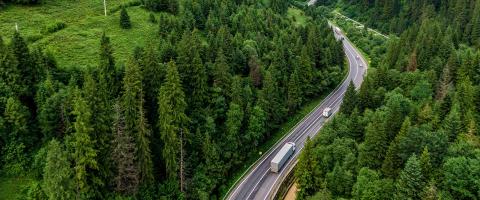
125,19
136,124
350,100
173,124
107,72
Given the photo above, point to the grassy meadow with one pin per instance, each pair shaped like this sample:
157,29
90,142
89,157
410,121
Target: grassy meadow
77,44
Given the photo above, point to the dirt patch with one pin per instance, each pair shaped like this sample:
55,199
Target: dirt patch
292,193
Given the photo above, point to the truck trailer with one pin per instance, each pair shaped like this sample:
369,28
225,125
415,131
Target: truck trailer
282,156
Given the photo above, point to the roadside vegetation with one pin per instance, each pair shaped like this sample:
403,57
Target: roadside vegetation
159,100
411,131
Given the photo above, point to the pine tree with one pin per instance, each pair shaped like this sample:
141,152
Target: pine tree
107,74
15,123
270,101
153,74
392,160
372,150
233,127
294,93
475,35
198,84
136,124
306,171
124,19
24,63
123,154
172,123
84,153
350,100
410,183
256,127
98,103
10,77
426,164
57,174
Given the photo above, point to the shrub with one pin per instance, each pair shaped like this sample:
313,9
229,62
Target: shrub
125,19
55,27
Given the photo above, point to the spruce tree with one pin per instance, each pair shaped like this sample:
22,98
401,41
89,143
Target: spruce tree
24,63
350,100
392,159
84,153
294,99
410,183
123,154
372,150
426,164
232,137
172,124
270,101
306,171
256,127
136,124
10,77
108,83
57,173
124,19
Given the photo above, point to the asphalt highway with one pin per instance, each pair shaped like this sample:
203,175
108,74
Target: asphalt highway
259,182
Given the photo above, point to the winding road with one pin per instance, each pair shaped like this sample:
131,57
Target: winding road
259,182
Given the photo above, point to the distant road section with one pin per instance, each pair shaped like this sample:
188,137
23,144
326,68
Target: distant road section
259,182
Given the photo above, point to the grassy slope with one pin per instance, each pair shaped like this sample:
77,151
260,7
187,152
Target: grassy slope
85,22
297,16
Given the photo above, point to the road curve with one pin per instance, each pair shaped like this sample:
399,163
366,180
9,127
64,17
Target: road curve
259,183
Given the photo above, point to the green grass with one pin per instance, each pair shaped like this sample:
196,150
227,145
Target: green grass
297,16
10,188
78,43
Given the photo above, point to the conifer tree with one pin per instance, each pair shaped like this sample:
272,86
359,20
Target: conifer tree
136,124
294,93
233,127
10,77
426,164
124,19
24,63
372,150
107,73
57,173
84,152
172,124
410,183
306,171
123,154
392,159
270,101
256,126
350,100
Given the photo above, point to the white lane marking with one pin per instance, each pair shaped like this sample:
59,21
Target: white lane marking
288,162
250,194
285,138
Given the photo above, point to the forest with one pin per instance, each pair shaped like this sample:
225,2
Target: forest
412,130
180,117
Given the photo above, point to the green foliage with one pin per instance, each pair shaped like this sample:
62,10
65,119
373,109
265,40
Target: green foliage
125,19
411,180
58,175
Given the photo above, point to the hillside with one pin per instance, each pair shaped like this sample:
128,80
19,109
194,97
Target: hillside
411,131
171,105
84,23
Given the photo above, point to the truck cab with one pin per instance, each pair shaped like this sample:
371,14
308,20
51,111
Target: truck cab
327,112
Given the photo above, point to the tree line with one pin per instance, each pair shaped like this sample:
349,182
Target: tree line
178,120
411,131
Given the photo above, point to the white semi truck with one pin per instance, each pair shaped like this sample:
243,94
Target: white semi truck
327,112
282,156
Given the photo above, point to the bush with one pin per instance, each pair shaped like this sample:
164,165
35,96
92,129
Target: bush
55,27
125,19
152,18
